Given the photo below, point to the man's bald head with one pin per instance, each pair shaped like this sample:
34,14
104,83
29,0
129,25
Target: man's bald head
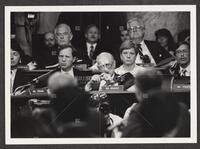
106,62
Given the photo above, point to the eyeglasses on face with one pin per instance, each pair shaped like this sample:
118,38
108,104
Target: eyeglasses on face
135,28
108,65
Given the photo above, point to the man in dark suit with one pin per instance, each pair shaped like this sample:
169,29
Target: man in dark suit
181,67
157,113
49,51
149,51
92,47
66,59
17,75
63,35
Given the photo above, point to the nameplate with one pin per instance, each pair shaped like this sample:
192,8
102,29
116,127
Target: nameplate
38,91
181,87
112,88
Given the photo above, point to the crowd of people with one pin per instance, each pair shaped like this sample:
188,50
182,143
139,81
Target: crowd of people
75,113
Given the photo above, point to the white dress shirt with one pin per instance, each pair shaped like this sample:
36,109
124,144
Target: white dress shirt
70,72
89,47
145,51
12,79
186,70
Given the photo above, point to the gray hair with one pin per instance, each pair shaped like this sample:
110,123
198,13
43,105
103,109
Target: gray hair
63,25
136,19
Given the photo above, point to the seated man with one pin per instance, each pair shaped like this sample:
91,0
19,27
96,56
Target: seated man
92,47
149,52
66,58
74,118
106,65
151,117
182,65
49,51
63,35
17,76
128,55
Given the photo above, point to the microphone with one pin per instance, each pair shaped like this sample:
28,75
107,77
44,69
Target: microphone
42,77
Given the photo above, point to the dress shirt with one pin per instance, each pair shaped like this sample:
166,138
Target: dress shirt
89,47
145,51
70,72
186,70
12,79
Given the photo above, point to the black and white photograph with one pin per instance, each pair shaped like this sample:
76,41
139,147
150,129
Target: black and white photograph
100,74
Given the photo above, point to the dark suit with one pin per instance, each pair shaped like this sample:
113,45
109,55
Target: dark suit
156,116
20,79
158,53
47,56
83,54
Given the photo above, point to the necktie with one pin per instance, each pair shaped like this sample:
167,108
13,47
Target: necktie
183,73
140,50
91,52
144,58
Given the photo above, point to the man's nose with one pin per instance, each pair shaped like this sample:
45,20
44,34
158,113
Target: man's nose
64,59
61,36
182,54
11,57
128,55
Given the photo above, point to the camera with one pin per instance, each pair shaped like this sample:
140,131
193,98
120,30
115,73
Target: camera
101,102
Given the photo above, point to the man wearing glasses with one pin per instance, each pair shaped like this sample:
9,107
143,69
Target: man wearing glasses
181,68
149,52
106,65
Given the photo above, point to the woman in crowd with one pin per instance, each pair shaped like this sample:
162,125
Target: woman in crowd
165,39
128,55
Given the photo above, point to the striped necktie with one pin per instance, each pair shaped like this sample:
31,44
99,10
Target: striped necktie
91,52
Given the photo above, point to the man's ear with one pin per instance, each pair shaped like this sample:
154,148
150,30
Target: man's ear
114,64
74,59
71,36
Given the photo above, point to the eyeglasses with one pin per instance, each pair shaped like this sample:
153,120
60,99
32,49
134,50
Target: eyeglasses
135,28
105,65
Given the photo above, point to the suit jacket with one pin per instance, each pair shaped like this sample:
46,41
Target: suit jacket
155,117
83,54
20,79
159,54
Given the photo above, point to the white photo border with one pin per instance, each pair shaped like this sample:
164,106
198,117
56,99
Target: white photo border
102,8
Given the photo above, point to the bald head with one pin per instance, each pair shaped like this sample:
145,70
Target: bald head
59,80
106,62
63,34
